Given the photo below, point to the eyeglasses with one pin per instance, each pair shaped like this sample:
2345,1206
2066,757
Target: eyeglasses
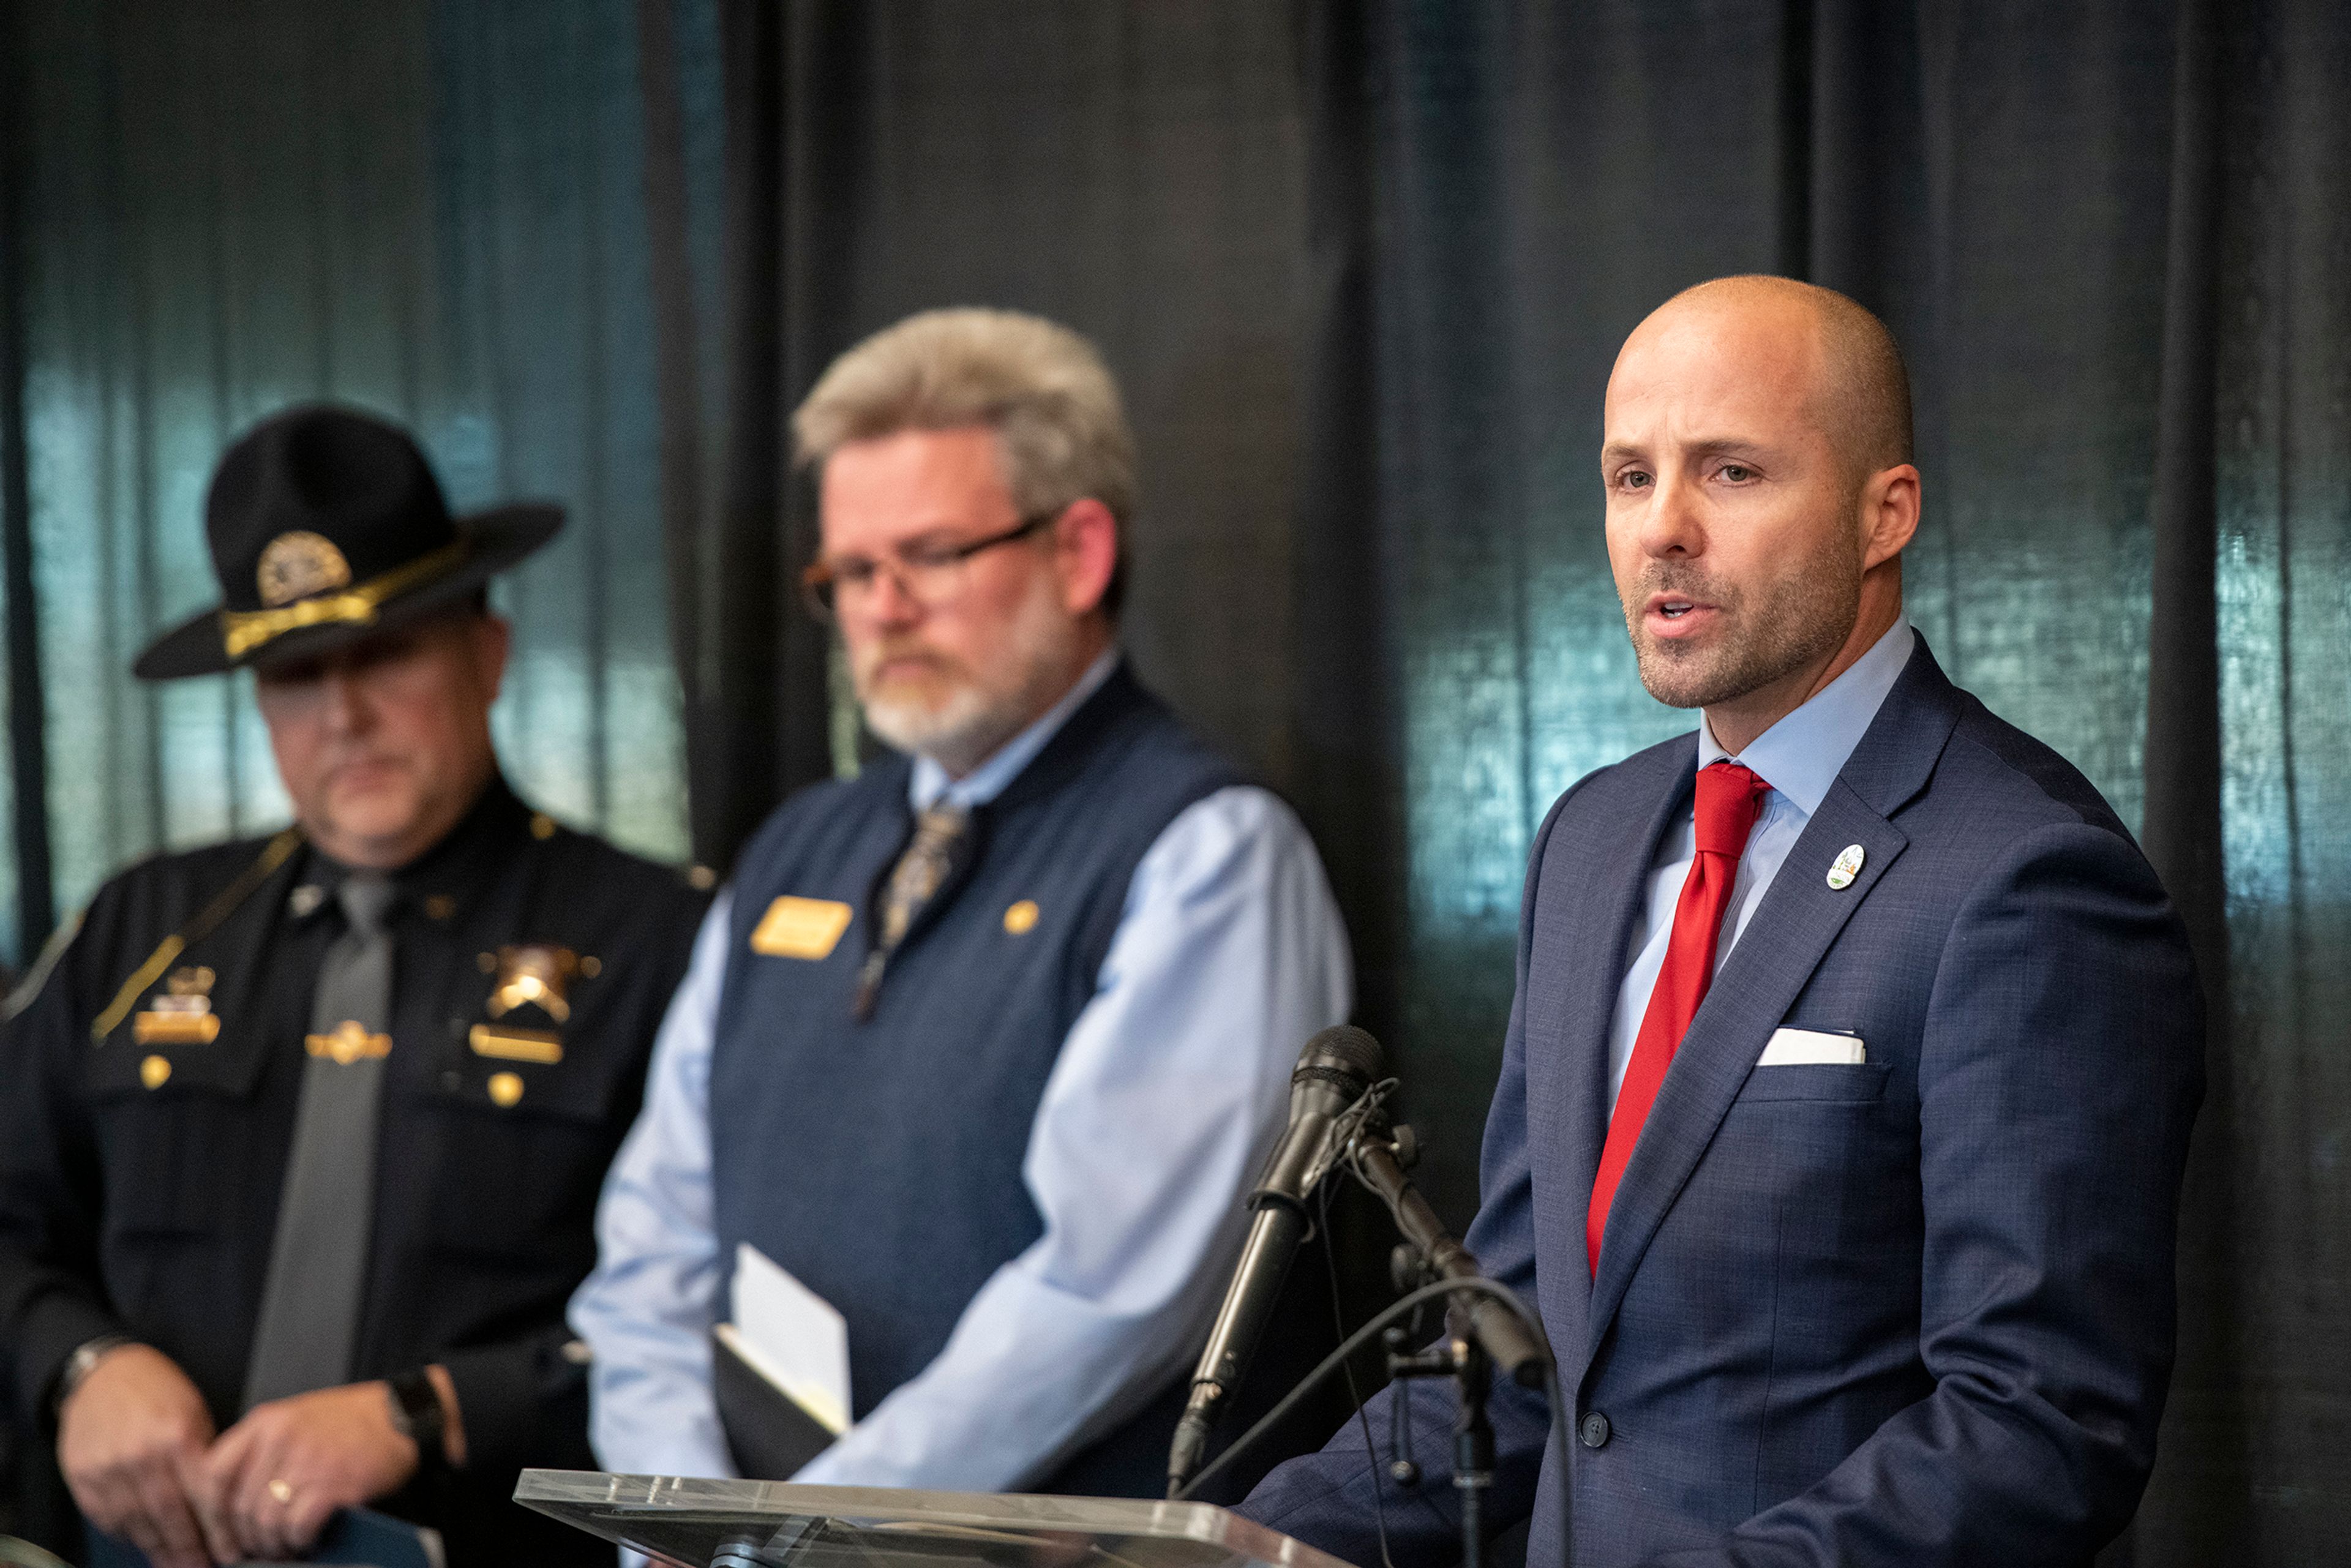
930,575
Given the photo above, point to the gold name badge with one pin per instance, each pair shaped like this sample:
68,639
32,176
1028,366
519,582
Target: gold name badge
510,1044
161,1028
801,928
181,1015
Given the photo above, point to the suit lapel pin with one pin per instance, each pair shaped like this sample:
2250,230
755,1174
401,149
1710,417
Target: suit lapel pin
1847,866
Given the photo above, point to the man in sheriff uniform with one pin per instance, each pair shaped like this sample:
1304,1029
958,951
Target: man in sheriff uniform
984,1046
301,1139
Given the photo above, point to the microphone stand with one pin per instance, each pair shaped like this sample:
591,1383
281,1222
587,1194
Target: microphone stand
1479,1333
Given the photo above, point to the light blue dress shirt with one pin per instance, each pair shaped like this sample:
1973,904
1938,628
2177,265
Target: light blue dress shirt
1800,758
1165,1102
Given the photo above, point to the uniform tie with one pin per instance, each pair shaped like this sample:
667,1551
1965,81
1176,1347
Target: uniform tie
915,881
317,1264
1730,797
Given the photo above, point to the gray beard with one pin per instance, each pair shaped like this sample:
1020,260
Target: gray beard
958,734
965,729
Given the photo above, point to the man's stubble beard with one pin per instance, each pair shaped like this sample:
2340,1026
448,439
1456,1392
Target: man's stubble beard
1803,619
964,727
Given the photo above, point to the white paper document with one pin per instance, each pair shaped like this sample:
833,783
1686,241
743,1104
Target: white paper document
792,1336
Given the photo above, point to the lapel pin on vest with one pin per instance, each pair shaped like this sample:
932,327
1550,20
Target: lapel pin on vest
1847,866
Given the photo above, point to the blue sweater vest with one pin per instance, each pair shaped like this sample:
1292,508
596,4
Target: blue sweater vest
880,1162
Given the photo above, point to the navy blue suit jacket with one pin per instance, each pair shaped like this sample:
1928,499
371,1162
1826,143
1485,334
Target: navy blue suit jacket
1913,1311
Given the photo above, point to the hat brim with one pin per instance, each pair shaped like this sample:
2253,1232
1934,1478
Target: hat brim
495,540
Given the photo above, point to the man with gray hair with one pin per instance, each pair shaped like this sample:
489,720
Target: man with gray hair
984,1046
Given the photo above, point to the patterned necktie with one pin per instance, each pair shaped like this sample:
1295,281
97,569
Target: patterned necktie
915,881
1730,797
317,1264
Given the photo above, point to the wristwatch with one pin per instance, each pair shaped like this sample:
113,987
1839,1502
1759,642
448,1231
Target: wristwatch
416,1415
81,1364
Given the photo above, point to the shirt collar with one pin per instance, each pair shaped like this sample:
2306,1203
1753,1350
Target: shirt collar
1801,754
928,783
452,872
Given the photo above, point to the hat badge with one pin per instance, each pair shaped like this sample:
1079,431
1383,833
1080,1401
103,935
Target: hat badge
298,564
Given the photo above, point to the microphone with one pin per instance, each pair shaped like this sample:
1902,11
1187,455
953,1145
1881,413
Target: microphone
1335,1071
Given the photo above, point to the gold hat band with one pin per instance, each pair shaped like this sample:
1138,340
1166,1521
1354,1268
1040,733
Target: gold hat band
242,631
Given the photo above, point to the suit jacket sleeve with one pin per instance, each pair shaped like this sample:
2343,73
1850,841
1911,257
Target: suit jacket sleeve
2060,1070
1341,1499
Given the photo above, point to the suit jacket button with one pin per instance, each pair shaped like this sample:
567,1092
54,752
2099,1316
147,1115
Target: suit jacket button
1593,1429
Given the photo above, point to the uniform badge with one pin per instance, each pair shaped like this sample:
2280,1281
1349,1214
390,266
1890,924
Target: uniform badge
300,564
534,973
1847,866
184,1014
801,928
529,975
349,1041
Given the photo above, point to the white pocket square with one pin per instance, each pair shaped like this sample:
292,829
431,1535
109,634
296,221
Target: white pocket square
1811,1048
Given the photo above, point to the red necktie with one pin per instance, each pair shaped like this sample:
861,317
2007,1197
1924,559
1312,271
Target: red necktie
1730,797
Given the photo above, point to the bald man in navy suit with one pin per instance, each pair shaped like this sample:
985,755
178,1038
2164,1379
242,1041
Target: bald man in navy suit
1856,1047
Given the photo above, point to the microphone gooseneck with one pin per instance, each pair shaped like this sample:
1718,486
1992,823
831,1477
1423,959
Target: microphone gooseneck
1484,1320
1337,1068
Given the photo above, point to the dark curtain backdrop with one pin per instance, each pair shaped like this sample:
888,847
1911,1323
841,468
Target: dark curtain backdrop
432,210
1362,270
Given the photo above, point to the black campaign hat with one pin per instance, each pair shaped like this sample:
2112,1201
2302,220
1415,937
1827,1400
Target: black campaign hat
326,526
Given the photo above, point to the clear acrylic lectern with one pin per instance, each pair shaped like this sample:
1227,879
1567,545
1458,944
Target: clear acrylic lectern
774,1525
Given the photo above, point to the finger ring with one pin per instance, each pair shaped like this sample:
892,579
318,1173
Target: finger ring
283,1491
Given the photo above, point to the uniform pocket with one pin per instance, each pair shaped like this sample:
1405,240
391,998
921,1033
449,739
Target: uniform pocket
524,1150
175,1125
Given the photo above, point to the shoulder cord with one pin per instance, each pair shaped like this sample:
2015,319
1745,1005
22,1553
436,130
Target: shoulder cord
272,855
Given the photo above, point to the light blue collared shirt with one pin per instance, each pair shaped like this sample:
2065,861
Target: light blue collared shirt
1800,758
1166,1098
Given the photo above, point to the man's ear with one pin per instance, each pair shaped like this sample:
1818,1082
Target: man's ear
493,637
1889,514
1085,549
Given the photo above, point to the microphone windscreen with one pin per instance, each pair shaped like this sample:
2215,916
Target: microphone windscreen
1345,1050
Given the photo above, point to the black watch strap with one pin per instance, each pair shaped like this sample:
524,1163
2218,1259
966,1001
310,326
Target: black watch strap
416,1412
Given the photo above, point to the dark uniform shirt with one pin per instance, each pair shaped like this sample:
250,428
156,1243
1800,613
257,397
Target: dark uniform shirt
142,1149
